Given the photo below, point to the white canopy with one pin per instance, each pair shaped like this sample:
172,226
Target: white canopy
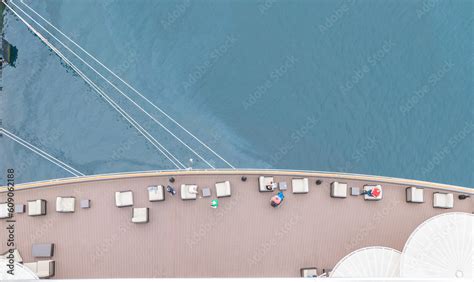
441,247
369,262
20,272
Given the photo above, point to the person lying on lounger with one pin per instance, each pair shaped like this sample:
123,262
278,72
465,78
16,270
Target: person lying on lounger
372,192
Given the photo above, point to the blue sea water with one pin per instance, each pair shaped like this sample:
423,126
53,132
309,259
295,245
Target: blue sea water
372,87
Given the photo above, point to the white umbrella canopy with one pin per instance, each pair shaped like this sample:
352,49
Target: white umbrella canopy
20,272
375,261
441,247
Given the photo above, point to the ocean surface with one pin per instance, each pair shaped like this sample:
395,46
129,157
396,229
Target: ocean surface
371,87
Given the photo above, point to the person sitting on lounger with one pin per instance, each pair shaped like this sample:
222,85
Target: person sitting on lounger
271,186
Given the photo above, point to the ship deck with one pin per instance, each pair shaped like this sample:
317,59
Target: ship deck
243,237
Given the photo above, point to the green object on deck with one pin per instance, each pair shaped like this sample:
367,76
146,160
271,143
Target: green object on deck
214,203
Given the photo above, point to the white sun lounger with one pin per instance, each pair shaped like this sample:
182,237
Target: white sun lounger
4,213
300,185
264,181
223,189
42,268
414,195
189,191
443,200
37,207
65,204
338,190
156,193
140,215
124,199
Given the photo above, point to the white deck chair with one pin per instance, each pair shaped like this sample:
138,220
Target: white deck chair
65,204
338,190
443,200
140,215
300,185
156,193
263,182
223,189
4,212
124,199
189,191
42,268
414,195
37,207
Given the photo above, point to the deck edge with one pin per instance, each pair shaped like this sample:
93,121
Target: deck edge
298,173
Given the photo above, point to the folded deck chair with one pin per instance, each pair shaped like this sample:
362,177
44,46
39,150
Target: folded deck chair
124,199
300,185
42,268
140,215
414,195
4,212
188,191
156,193
338,190
37,207
264,182
443,200
65,204
223,189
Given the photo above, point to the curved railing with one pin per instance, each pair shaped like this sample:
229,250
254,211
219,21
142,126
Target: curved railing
300,173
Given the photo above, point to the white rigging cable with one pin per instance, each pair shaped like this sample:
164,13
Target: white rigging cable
116,88
106,97
134,123
41,153
128,85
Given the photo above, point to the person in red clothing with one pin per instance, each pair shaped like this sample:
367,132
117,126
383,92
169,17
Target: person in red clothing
277,199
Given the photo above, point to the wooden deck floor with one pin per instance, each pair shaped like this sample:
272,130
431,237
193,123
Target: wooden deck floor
244,237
